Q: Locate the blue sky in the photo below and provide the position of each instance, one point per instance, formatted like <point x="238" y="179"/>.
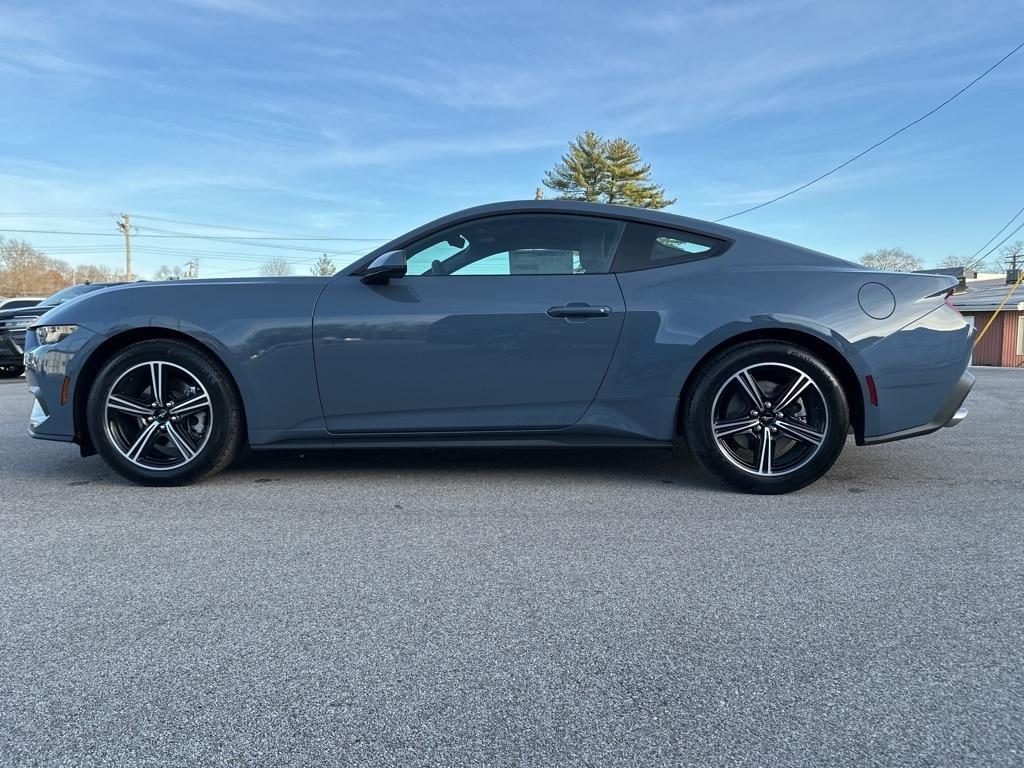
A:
<point x="363" y="120"/>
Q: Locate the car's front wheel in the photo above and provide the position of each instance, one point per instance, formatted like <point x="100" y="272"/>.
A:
<point x="11" y="371"/>
<point x="766" y="417"/>
<point x="163" y="412"/>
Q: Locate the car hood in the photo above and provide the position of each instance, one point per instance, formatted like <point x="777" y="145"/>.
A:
<point x="35" y="311"/>
<point x="182" y="304"/>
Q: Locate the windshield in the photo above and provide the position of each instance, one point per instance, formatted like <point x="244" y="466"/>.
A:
<point x="68" y="293"/>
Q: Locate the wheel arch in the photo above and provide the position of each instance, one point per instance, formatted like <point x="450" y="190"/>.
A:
<point x="86" y="376"/>
<point x="829" y="354"/>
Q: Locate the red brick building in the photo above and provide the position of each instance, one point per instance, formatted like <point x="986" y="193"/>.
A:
<point x="1003" y="344"/>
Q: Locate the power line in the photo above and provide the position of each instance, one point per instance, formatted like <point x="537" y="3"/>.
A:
<point x="877" y="144"/>
<point x="171" y="232"/>
<point x="200" y="224"/>
<point x="146" y="232"/>
<point x="232" y="271"/>
<point x="274" y="237"/>
<point x="62" y="232"/>
<point x="166" y="233"/>
<point x="265" y="235"/>
<point x="991" y="250"/>
<point x="210" y="252"/>
<point x="219" y="257"/>
<point x="1013" y="218"/>
<point x="55" y="215"/>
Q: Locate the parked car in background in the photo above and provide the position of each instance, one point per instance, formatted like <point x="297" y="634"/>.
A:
<point x="19" y="302"/>
<point x="534" y="323"/>
<point x="17" y="314"/>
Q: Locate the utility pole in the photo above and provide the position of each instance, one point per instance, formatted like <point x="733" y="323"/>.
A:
<point x="125" y="225"/>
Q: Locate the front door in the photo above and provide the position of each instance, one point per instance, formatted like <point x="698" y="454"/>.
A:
<point x="502" y="323"/>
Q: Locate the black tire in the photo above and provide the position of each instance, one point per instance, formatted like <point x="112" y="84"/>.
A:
<point x="11" y="371"/>
<point x="217" y="440"/>
<point x="808" y="434"/>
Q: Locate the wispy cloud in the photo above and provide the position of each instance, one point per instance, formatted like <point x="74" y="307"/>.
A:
<point x="250" y="9"/>
<point x="336" y="114"/>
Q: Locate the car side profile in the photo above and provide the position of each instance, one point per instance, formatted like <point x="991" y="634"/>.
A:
<point x="534" y="323"/>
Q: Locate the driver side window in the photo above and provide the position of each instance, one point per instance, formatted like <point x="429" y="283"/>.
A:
<point x="518" y="244"/>
<point x="419" y="263"/>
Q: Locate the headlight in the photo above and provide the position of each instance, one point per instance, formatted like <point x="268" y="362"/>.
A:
<point x="52" y="334"/>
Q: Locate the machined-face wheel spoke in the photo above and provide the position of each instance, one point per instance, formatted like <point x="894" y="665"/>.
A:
<point x="180" y="442"/>
<point x="156" y="376"/>
<point x="769" y="419"/>
<point x="801" y="432"/>
<point x="750" y="386"/>
<point x="141" y="441"/>
<point x="124" y="405"/>
<point x="191" y="405"/>
<point x="764" y="453"/>
<point x="733" y="427"/>
<point x="803" y="381"/>
<point x="158" y="415"/>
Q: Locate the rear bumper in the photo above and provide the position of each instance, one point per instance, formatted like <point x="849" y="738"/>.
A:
<point x="950" y="414"/>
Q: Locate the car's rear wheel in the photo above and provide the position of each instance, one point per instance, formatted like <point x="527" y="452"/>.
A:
<point x="766" y="417"/>
<point x="163" y="412"/>
<point x="11" y="371"/>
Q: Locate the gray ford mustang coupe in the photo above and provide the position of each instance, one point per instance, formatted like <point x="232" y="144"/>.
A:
<point x="539" y="323"/>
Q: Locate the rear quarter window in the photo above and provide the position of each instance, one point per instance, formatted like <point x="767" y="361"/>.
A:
<point x="645" y="246"/>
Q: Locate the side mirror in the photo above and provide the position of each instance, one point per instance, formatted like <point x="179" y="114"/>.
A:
<point x="385" y="267"/>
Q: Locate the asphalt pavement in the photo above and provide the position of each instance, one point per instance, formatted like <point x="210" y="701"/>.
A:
<point x="513" y="608"/>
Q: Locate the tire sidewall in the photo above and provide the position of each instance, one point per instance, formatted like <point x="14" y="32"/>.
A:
<point x="223" y="433"/>
<point x="698" y="416"/>
<point x="11" y="371"/>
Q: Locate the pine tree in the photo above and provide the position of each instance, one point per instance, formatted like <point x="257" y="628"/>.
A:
<point x="324" y="267"/>
<point x="605" y="171"/>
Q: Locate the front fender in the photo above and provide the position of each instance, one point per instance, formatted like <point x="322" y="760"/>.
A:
<point x="261" y="331"/>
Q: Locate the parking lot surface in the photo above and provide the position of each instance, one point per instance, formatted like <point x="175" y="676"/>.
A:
<point x="518" y="608"/>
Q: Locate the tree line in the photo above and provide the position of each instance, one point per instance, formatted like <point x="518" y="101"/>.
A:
<point x="26" y="271"/>
<point x="898" y="260"/>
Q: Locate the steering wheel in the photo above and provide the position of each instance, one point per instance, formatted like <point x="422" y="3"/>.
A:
<point x="437" y="268"/>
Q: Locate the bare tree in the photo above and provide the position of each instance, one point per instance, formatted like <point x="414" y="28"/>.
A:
<point x="94" y="273"/>
<point x="953" y="262"/>
<point x="1012" y="255"/>
<point x="276" y="268"/>
<point x="324" y="267"/>
<point x="27" y="271"/>
<point x="891" y="260"/>
<point x="169" y="273"/>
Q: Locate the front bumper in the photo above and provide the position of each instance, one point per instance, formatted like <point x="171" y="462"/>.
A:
<point x="11" y="352"/>
<point x="47" y="368"/>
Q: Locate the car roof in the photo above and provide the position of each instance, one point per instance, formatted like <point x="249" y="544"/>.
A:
<point x="579" y="207"/>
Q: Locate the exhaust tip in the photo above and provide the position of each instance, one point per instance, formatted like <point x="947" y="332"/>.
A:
<point x="957" y="417"/>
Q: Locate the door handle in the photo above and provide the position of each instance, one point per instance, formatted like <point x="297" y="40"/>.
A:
<point x="579" y="311"/>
